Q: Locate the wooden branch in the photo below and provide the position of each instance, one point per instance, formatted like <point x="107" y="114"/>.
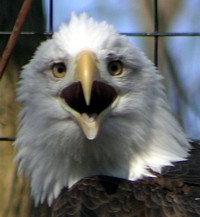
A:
<point x="14" y="36"/>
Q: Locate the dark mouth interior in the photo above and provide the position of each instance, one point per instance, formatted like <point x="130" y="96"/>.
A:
<point x="102" y="96"/>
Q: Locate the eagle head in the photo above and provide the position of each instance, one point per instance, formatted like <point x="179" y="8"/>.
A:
<point x="92" y="104"/>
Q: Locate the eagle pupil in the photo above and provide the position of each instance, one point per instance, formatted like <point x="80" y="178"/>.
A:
<point x="61" y="68"/>
<point x="114" y="67"/>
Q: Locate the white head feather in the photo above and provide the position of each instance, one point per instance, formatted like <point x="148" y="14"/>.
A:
<point x="139" y="134"/>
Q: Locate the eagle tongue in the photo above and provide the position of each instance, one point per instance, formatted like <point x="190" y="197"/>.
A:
<point x="89" y="117"/>
<point x="89" y="123"/>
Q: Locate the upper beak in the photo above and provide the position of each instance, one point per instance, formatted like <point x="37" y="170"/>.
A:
<point x="86" y="72"/>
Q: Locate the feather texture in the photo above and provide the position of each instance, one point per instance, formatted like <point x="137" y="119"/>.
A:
<point x="174" y="193"/>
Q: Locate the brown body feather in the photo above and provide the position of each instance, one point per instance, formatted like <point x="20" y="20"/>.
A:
<point x="173" y="193"/>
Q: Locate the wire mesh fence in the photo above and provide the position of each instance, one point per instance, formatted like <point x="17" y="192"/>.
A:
<point x="156" y="34"/>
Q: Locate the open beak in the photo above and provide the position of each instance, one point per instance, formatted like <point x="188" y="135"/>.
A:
<point x="89" y="99"/>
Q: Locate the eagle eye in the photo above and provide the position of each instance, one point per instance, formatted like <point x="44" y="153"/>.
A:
<point x="59" y="70"/>
<point x="115" y="68"/>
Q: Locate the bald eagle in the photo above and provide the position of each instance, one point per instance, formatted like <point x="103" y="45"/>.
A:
<point x="96" y="134"/>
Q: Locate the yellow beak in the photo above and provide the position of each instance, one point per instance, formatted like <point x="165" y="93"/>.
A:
<point x="87" y="72"/>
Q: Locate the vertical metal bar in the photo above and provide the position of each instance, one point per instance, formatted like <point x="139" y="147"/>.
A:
<point x="51" y="16"/>
<point x="156" y="30"/>
<point x="26" y="6"/>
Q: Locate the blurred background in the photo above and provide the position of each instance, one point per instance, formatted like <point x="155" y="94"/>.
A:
<point x="176" y="54"/>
